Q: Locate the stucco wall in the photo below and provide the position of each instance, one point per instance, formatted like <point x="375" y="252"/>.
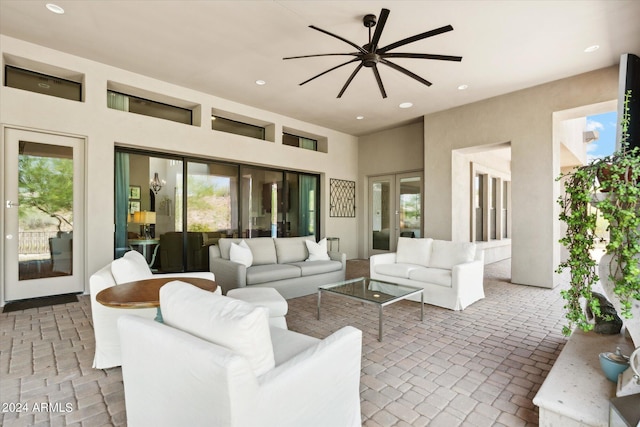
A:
<point x="104" y="128"/>
<point x="525" y="119"/>
<point x="386" y="152"/>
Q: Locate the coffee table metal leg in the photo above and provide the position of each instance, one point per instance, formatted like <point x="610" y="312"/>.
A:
<point x="380" y="323"/>
<point x="159" y="315"/>
<point x="421" y="306"/>
<point x="319" y="293"/>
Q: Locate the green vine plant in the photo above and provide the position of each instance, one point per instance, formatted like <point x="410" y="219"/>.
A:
<point x="610" y="185"/>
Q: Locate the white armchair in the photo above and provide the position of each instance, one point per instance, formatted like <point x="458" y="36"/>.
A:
<point x="217" y="362"/>
<point x="132" y="266"/>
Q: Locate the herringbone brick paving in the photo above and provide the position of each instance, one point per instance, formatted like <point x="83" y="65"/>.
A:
<point x="478" y="367"/>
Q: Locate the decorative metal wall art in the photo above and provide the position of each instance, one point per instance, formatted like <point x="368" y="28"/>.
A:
<point x="342" y="201"/>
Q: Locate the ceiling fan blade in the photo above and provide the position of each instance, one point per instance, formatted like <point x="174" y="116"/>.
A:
<point x="339" y="38"/>
<point x="382" y="19"/>
<point x="415" y="38"/>
<point x="405" y="71"/>
<point x="330" y="69"/>
<point x="422" y="56"/>
<point x="379" y="80"/>
<point x="358" y="68"/>
<point x="322" y="54"/>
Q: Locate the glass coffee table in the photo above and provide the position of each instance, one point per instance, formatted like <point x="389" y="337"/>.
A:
<point x="372" y="291"/>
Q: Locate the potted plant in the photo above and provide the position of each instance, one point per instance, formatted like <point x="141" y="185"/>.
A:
<point x="616" y="195"/>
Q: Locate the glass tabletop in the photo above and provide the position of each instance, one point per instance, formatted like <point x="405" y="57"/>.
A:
<point x="371" y="290"/>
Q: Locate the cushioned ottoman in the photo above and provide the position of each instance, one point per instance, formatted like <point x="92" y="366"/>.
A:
<point x="265" y="297"/>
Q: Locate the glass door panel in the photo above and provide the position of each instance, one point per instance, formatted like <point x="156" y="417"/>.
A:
<point x="410" y="205"/>
<point x="212" y="209"/>
<point x="262" y="202"/>
<point x="43" y="236"/>
<point x="300" y="201"/>
<point x="382" y="221"/>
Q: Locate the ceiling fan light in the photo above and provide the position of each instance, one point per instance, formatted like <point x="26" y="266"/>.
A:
<point x="406" y="105"/>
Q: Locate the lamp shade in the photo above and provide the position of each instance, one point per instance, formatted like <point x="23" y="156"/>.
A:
<point x="144" y="217"/>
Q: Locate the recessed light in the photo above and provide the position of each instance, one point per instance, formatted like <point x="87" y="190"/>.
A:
<point x="592" y="48"/>
<point x="261" y="82"/>
<point x="55" y="8"/>
<point x="463" y="87"/>
<point x="359" y="117"/>
<point x="406" y="105"/>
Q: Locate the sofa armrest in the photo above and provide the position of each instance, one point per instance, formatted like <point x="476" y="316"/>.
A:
<point x="215" y="385"/>
<point x="386" y="258"/>
<point x="339" y="256"/>
<point x="468" y="275"/>
<point x="319" y="386"/>
<point x="228" y="274"/>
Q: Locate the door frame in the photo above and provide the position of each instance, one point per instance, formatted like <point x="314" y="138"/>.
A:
<point x="75" y="283"/>
<point x="394" y="208"/>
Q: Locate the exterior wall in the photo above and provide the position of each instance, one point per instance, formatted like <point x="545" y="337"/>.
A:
<point x="105" y="128"/>
<point x="525" y="119"/>
<point x="386" y="152"/>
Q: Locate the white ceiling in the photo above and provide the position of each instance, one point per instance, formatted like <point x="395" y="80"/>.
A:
<point x="223" y="47"/>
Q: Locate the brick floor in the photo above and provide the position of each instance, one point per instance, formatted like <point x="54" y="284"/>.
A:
<point x="478" y="367"/>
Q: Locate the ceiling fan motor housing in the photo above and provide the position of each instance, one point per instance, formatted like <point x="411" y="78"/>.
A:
<point x="369" y="20"/>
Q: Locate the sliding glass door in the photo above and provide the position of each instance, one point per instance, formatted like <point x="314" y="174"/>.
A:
<point x="171" y="209"/>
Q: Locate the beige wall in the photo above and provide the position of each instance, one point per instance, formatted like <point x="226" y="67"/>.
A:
<point x="387" y="152"/>
<point x="104" y="128"/>
<point x="525" y="119"/>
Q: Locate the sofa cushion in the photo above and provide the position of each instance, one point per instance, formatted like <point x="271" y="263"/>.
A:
<point x="257" y="274"/>
<point x="310" y="268"/>
<point x="414" y="251"/>
<point x="446" y="254"/>
<point x="224" y="244"/>
<point x="263" y="250"/>
<point x="395" y="270"/>
<point x="292" y="249"/>
<point x="129" y="269"/>
<point x="237" y="325"/>
<point x="436" y="276"/>
<point x="317" y="251"/>
<point x="241" y="254"/>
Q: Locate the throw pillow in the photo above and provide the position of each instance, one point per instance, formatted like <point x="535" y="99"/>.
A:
<point x="126" y="270"/>
<point x="237" y="325"/>
<point x="317" y="251"/>
<point x="241" y="254"/>
<point x="414" y="251"/>
<point x="446" y="254"/>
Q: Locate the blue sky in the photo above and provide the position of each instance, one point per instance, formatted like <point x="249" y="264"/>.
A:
<point x="605" y="124"/>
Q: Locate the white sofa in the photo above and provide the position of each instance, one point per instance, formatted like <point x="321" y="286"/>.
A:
<point x="451" y="273"/>
<point x="217" y="362"/>
<point x="132" y="266"/>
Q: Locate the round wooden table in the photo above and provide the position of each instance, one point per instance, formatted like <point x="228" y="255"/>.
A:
<point x="146" y="293"/>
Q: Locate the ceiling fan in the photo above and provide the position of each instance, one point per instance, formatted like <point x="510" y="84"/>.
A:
<point x="370" y="55"/>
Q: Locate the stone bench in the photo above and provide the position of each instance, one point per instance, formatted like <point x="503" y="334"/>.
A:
<point x="576" y="392"/>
